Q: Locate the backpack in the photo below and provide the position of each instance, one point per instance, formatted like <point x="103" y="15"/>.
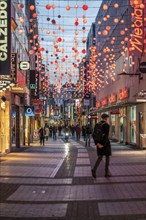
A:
<point x="98" y="133"/>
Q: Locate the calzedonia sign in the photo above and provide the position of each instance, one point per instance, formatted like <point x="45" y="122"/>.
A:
<point x="5" y="37"/>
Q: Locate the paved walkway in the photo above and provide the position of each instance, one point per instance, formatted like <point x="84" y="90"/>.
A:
<point x="54" y="182"/>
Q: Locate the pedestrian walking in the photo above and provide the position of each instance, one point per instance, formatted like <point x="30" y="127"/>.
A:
<point x="84" y="132"/>
<point x="46" y="133"/>
<point x="59" y="129"/>
<point x="50" y="130"/>
<point x="54" y="130"/>
<point x="42" y="135"/>
<point x="78" y="132"/>
<point x="101" y="140"/>
<point x="88" y="132"/>
<point x="72" y="129"/>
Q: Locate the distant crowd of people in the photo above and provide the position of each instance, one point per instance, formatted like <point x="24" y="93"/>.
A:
<point x="75" y="130"/>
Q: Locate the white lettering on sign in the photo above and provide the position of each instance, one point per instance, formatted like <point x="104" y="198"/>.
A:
<point x="3" y="31"/>
<point x="137" y="37"/>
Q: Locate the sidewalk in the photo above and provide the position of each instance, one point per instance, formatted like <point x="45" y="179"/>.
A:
<point x="54" y="182"/>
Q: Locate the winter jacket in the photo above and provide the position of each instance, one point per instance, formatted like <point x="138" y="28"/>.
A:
<point x="106" y="150"/>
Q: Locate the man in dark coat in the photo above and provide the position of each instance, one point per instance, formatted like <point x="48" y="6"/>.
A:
<point x="103" y="147"/>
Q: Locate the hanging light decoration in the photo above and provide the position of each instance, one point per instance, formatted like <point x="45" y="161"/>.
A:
<point x="34" y="15"/>
<point x="116" y="5"/>
<point x="76" y="6"/>
<point x="53" y="6"/>
<point x="85" y="7"/>
<point x="105" y="7"/>
<point x="48" y="6"/>
<point x="32" y="7"/>
<point x="76" y="23"/>
<point x="53" y="22"/>
<point x="20" y="6"/>
<point x="68" y="7"/>
<point x="83" y="51"/>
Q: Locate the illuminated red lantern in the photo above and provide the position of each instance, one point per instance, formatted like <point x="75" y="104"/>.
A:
<point x="20" y="6"/>
<point x="68" y="8"/>
<point x="63" y="59"/>
<point x="85" y="7"/>
<point x="48" y="7"/>
<point x="32" y="7"/>
<point x="34" y="15"/>
<point x="53" y="22"/>
<point x="76" y="23"/>
<point x="59" y="39"/>
<point x="83" y="51"/>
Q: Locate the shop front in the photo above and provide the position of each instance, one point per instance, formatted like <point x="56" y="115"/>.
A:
<point x="122" y="125"/>
<point x="4" y="123"/>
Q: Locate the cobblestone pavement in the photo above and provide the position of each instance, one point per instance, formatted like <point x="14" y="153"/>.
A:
<point x="54" y="182"/>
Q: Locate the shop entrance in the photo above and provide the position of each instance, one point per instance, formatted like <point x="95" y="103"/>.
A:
<point x="122" y="130"/>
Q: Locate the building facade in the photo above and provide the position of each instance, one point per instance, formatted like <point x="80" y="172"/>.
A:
<point x="121" y="50"/>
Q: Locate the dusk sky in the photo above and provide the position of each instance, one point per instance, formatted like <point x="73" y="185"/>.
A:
<point x="68" y="32"/>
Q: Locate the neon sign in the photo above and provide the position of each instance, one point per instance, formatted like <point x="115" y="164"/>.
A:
<point x="104" y="101"/>
<point x="123" y="94"/>
<point x="98" y="104"/>
<point x="137" y="37"/>
<point x="112" y="98"/>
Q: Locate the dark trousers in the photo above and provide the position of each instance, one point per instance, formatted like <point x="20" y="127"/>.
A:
<point x="78" y="137"/>
<point x="87" y="140"/>
<point x="99" y="159"/>
<point x="54" y="136"/>
<point x="42" y="140"/>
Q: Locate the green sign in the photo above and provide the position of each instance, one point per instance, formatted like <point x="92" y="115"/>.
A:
<point x="32" y="86"/>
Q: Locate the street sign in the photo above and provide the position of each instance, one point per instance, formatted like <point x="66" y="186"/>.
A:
<point x="142" y="67"/>
<point x="24" y="65"/>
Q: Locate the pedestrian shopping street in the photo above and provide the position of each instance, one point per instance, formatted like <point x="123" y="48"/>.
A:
<point x="54" y="182"/>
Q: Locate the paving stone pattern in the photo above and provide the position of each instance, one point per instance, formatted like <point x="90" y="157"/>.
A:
<point x="54" y="182"/>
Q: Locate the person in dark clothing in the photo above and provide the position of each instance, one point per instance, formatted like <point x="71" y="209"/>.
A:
<point x="72" y="129"/>
<point x="84" y="132"/>
<point x="54" y="129"/>
<point x="103" y="147"/>
<point x="88" y="132"/>
<point x="59" y="129"/>
<point x="42" y="135"/>
<point x="50" y="130"/>
<point x="78" y="132"/>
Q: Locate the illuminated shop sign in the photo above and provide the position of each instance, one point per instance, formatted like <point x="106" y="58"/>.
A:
<point x="112" y="98"/>
<point x="5" y="37"/>
<point x="29" y="111"/>
<point x="137" y="37"/>
<point x="98" y="104"/>
<point x="24" y="65"/>
<point x="104" y="102"/>
<point x="38" y="104"/>
<point x="123" y="94"/>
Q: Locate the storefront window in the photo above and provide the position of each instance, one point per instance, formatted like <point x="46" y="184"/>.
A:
<point x="113" y="124"/>
<point x="133" y="124"/>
